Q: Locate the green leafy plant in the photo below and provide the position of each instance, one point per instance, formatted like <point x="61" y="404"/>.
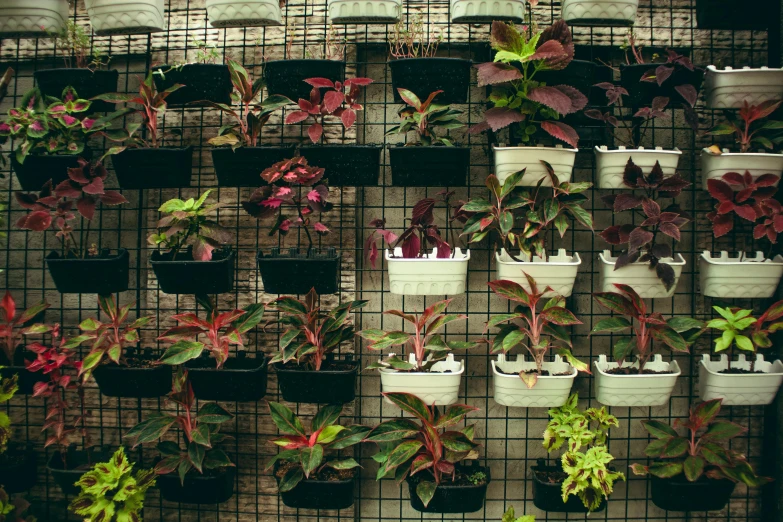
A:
<point x="14" y="510"/>
<point x="511" y="516"/>
<point x="76" y="48"/>
<point x="586" y="458"/>
<point x="111" y="492"/>
<point x="426" y="119"/>
<point x="744" y="331"/>
<point x="8" y="388"/>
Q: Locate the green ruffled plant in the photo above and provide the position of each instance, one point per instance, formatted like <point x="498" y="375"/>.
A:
<point x="744" y="331"/>
<point x="14" y="510"/>
<point x="510" y="516"/>
<point x="8" y="387"/>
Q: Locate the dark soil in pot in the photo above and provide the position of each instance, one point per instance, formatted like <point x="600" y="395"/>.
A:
<point x="18" y="469"/>
<point x="547" y="491"/>
<point x="145" y="168"/>
<point x="241" y="379"/>
<point x="642" y="93"/>
<point x="183" y="275"/>
<point x="139" y="377"/>
<point x="465" y="494"/>
<point x="329" y="489"/>
<point x="423" y="76"/>
<point x="242" y="167"/>
<point x="287" y="77"/>
<point x="677" y="494"/>
<point x="202" y="81"/>
<point x="37" y="170"/>
<point x="430" y="166"/>
<point x="103" y="274"/>
<point x="297" y="271"/>
<point x="730" y="14"/>
<point x="346" y="165"/>
<point x="213" y="487"/>
<point x="334" y="383"/>
<point x="66" y="474"/>
<point x="88" y="84"/>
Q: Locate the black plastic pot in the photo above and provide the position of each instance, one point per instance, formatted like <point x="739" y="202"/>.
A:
<point x="642" y="93"/>
<point x="452" y="498"/>
<point x="677" y="494"/>
<point x="296" y="272"/>
<point x="242" y="167"/>
<point x="431" y="166"/>
<point x="78" y="463"/>
<point x="183" y="275"/>
<point x="320" y="494"/>
<point x="198" y="489"/>
<point x="103" y="275"/>
<point x="18" y="469"/>
<point x="27" y="379"/>
<point x="37" y="170"/>
<point x="324" y="386"/>
<point x="147" y="168"/>
<point x="136" y="382"/>
<point x="548" y="496"/>
<point x="423" y="76"/>
<point x="579" y="74"/>
<point x="202" y="81"/>
<point x="730" y="14"/>
<point x="242" y="379"/>
<point x="88" y="84"/>
<point x="346" y="165"/>
<point x="287" y="77"/>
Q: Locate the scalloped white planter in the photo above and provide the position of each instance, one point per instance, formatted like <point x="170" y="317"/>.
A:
<point x="610" y="164"/>
<point x="558" y="271"/>
<point x="729" y="88"/>
<point x="433" y="387"/>
<point x="23" y="18"/>
<point x="739" y="276"/>
<point x="509" y="160"/>
<point x="126" y="16"/>
<point x="427" y="275"/>
<point x="364" y="11"/>
<point x="757" y="163"/>
<point x="638" y="276"/>
<point x="475" y="11"/>
<point x="606" y="11"/>
<point x="751" y="389"/>
<point x="549" y="392"/>
<point x="635" y="390"/>
<point x="245" y="13"/>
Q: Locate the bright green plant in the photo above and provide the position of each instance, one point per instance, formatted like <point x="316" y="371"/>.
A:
<point x="14" y="510"/>
<point x="511" y="516"/>
<point x="744" y="331"/>
<point x="111" y="492"/>
<point x="426" y="119"/>
<point x="8" y="387"/>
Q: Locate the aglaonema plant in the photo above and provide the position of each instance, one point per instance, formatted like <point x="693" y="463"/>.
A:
<point x="14" y="324"/>
<point x="749" y="127"/>
<point x="426" y="119"/>
<point x="750" y="334"/>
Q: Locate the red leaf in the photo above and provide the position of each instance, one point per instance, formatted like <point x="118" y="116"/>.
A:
<point x="552" y="98"/>
<point x="501" y="117"/>
<point x="639" y="237"/>
<point x="332" y="100"/>
<point x="349" y="118"/>
<point x="688" y="93"/>
<point x="561" y="131"/>
<point x="8" y="306"/>
<point x="38" y="221"/>
<point x="296" y="117"/>
<point x="548" y="50"/>
<point x="95" y="187"/>
<point x="492" y="73"/>
<point x="745" y="212"/>
<point x="626" y="202"/>
<point x="578" y="100"/>
<point x="720" y="190"/>
<point x="86" y="207"/>
<point x="411" y="246"/>
<point x="112" y="197"/>
<point x="670" y="230"/>
<point x="315" y="131"/>
<point x="320" y="82"/>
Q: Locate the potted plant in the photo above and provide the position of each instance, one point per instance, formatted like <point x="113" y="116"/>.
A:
<point x="81" y="266"/>
<point x="17" y="464"/>
<point x="238" y="155"/>
<point x="309" y="473"/>
<point x="237" y="378"/>
<point x="583" y="472"/>
<point x="754" y="202"/>
<point x="294" y="184"/>
<point x="731" y="88"/>
<point x="206" y="262"/>
<point x="14" y="324"/>
<point x="110" y="17"/>
<point x="243" y="13"/>
<point x="529" y="109"/>
<point x="749" y="128"/>
<point x="537" y="383"/>
<point x="345" y="165"/>
<point x="600" y="12"/>
<point x="373" y="12"/>
<point x="649" y="381"/>
<point x="22" y="19"/>
<point x="697" y="472"/>
<point x="647" y="265"/>
<point x="430" y="372"/>
<point x="201" y="472"/>
<point x="111" y="489"/>
<point x="727" y="14"/>
<point x="742" y="382"/>
<point x="14" y="510"/>
<point x="431" y="160"/>
<point x="306" y="367"/>
<point x="478" y="11"/>
<point x="430" y="457"/>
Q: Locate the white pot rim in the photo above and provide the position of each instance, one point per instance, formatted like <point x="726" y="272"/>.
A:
<point x="672" y="366"/>
<point x="498" y="374"/>
<point x="604" y="149"/>
<point x="736" y="375"/>
<point x="452" y="373"/>
<point x="575" y="259"/>
<point x="556" y="148"/>
<point x="732" y="70"/>
<point x="727" y="152"/>
<point x="459" y="257"/>
<point x="607" y="259"/>
<point x="742" y="258"/>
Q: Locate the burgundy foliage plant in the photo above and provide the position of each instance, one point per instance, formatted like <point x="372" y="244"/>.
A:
<point x="14" y="324"/>
<point x="750" y="127"/>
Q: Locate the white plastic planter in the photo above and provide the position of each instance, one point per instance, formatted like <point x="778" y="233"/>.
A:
<point x="714" y="166"/>
<point x="23" y="18"/>
<point x="509" y="160"/>
<point x="610" y="164"/>
<point x="619" y="12"/>
<point x="433" y="387"/>
<point x="364" y="11"/>
<point x="638" y="276"/>
<point x="550" y="391"/>
<point x="427" y="275"/>
<point x="245" y="13"/>
<point x="558" y="271"/>
<point x="730" y="88"/>
<point x="741" y="276"/>
<point x="750" y="389"/>
<point x="476" y="11"/>
<point x="635" y="390"/>
<point x="125" y="16"/>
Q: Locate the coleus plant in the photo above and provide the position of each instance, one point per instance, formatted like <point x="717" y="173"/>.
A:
<point x="14" y="510"/>
<point x="8" y="388"/>
<point x="538" y="331"/>
<point x="200" y="431"/>
<point x="424" y="446"/>
<point x="642" y="240"/>
<point x="702" y="452"/>
<point x="379" y="235"/>
<point x="189" y="226"/>
<point x="312" y="335"/>
<point x="426" y="119"/>
<point x="744" y="331"/>
<point x="750" y="127"/>
<point x="310" y="453"/>
<point x="14" y="324"/>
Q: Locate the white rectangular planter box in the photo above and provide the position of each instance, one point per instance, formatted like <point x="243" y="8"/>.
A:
<point x="549" y="392"/>
<point x="730" y="88"/>
<point x="244" y="13"/>
<point x="33" y="19"/>
<point x="638" y="276"/>
<point x="509" y="160"/>
<point x="428" y="275"/>
<point x="558" y="271"/>
<point x="477" y="11"/>
<point x="609" y="12"/>
<point x="635" y="390"/>
<point x="610" y="164"/>
<point x="751" y="389"/>
<point x="714" y="166"/>
<point x="126" y="16"/>
<point x="739" y="276"/>
<point x="433" y="387"/>
<point x="364" y="11"/>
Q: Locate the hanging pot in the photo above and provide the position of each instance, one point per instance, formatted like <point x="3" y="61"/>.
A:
<point x="641" y="93"/>
<point x="484" y="11"/>
<point x="428" y="275"/>
<point x="558" y="271"/>
<point x="742" y="276"/>
<point x="600" y="12"/>
<point x="732" y="15"/>
<point x="296" y="272"/>
<point x="739" y="389"/>
<point x="87" y="83"/>
<point x="39" y="19"/>
<point x="610" y="164"/>
<point x="103" y="274"/>
<point x="334" y="383"/>
<point x="319" y="494"/>
<point x="214" y="487"/>
<point x="183" y="275"/>
<point x="367" y="12"/>
<point x="77" y="464"/>
<point x="714" y="166"/>
<point x="730" y="88"/>
<point x="37" y="170"/>
<point x="429" y="166"/>
<point x="438" y="386"/>
<point x="550" y="391"/>
<point x="18" y="469"/>
<point x="287" y="77"/>
<point x="202" y="81"/>
<point x="108" y="17"/>
<point x="634" y="389"/>
<point x="452" y="498"/>
<point x="423" y="76"/>
<point x="139" y="378"/>
<point x="547" y="492"/>
<point x="509" y="160"/>
<point x="244" y="13"/>
<point x="241" y="379"/>
<point x="243" y="167"/>
<point x="679" y="494"/>
<point x="638" y="276"/>
<point x="147" y="168"/>
<point x="346" y="165"/>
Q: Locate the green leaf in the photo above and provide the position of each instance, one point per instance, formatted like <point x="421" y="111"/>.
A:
<point x="311" y="458"/>
<point x="181" y="352"/>
<point x="326" y="416"/>
<point x="329" y="433"/>
<point x="613" y="324"/>
<point x="393" y="430"/>
<point x="425" y="490"/>
<point x="693" y="467"/>
<point x="665" y="469"/>
<point x="201" y="435"/>
<point x="348" y="463"/>
<point x="400" y="454"/>
<point x="285" y="420"/>
<point x="722" y="430"/>
<point x="150" y="430"/>
<point x="216" y="458"/>
<point x="658" y="429"/>
<point x="291" y="478"/>
<point x="196" y="454"/>
<point x="744" y="343"/>
<point x="350" y="436"/>
<point x="212" y="413"/>
<point x="623" y="348"/>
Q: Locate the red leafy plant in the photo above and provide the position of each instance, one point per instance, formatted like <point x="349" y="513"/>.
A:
<point x="14" y="324"/>
<point x="750" y="127"/>
<point x="425" y="119"/>
<point x="702" y="452"/>
<point x="379" y="235"/>
<point x="425" y="450"/>
<point x="642" y="240"/>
